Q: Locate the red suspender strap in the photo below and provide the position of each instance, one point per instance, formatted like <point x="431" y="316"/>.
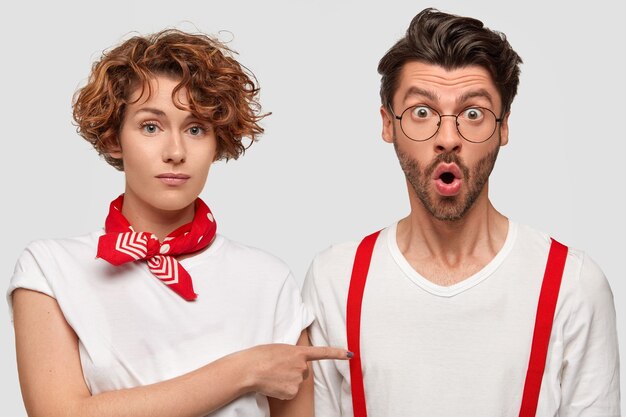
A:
<point x="353" y="320"/>
<point x="543" y="327"/>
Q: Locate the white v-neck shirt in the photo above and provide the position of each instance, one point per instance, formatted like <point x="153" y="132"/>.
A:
<point x="463" y="350"/>
<point x="135" y="331"/>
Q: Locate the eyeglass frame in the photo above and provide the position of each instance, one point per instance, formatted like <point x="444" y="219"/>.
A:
<point x="456" y="122"/>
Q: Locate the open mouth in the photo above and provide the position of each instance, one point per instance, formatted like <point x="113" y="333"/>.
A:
<point x="447" y="177"/>
<point x="447" y="173"/>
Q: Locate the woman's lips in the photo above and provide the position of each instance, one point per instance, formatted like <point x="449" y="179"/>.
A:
<point x="173" y="179"/>
<point x="451" y="186"/>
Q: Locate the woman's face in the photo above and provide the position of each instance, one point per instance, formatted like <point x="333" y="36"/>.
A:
<point x="166" y="151"/>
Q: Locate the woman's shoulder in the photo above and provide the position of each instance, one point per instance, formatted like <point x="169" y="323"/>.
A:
<point x="46" y="262"/>
<point x="42" y="256"/>
<point x="75" y="245"/>
<point x="247" y="257"/>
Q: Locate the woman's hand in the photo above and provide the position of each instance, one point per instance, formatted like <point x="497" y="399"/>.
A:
<point x="278" y="370"/>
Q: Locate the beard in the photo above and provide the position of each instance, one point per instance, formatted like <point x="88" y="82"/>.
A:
<point x="447" y="208"/>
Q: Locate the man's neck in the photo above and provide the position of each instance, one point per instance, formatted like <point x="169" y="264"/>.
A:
<point x="447" y="252"/>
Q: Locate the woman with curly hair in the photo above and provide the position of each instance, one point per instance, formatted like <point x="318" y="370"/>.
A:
<point x="157" y="314"/>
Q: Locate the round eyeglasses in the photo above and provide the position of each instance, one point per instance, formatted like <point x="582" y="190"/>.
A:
<point x="475" y="124"/>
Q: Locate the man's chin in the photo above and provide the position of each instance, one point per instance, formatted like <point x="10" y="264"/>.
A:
<point x="448" y="216"/>
<point x="448" y="208"/>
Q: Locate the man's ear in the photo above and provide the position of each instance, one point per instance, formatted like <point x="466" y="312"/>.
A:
<point x="387" y="119"/>
<point x="504" y="130"/>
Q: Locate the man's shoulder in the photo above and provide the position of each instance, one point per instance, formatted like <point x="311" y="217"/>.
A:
<point x="332" y="266"/>
<point x="337" y="253"/>
<point x="582" y="275"/>
<point x="538" y="241"/>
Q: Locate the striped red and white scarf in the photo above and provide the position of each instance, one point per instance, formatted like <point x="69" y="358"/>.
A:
<point x="121" y="244"/>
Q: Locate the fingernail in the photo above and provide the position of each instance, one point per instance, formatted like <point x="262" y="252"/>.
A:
<point x="350" y="355"/>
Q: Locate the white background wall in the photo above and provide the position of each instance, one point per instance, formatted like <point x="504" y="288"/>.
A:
<point x="321" y="174"/>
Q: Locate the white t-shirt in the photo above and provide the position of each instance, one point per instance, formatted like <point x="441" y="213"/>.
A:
<point x="134" y="331"/>
<point x="463" y="350"/>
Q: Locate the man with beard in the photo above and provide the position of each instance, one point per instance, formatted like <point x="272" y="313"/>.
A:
<point x="456" y="310"/>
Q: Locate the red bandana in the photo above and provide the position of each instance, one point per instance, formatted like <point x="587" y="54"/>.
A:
<point x="121" y="244"/>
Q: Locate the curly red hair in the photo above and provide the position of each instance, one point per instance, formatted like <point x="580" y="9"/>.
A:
<point x="220" y="90"/>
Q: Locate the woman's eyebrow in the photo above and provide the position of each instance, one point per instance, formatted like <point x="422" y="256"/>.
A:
<point x="151" y="110"/>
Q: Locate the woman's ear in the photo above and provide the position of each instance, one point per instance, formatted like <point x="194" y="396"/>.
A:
<point x="114" y="151"/>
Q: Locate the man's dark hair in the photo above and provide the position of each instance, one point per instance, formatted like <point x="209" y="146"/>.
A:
<point x="452" y="42"/>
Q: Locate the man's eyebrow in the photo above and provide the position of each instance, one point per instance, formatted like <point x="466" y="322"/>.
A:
<point x="417" y="91"/>
<point x="475" y="93"/>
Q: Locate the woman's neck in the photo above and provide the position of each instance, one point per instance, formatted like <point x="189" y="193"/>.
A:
<point x="145" y="218"/>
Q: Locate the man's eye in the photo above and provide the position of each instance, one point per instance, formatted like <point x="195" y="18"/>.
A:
<point x="422" y="112"/>
<point x="472" y="114"/>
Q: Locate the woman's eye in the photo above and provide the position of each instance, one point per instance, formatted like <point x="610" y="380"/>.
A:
<point x="422" y="112"/>
<point x="150" y="128"/>
<point x="472" y="114"/>
<point x="196" y="130"/>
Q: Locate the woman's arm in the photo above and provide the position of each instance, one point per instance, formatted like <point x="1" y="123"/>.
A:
<point x="52" y="381"/>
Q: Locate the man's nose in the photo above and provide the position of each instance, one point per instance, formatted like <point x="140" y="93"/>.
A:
<point x="448" y="138"/>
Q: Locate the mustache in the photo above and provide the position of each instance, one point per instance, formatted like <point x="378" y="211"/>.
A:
<point x="447" y="158"/>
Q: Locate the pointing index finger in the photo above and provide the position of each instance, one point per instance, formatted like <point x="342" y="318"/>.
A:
<point x="316" y="353"/>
